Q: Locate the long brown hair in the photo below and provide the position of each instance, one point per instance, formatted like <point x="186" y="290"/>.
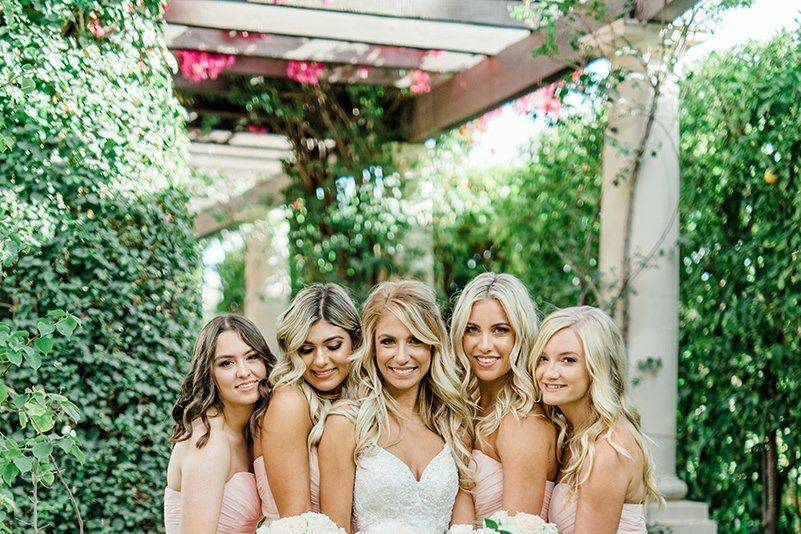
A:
<point x="198" y="391"/>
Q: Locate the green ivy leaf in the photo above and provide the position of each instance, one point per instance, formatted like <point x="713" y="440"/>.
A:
<point x="67" y="326"/>
<point x="45" y="327"/>
<point x="48" y="479"/>
<point x="3" y="392"/>
<point x="15" y="357"/>
<point x="42" y="450"/>
<point x="23" y="464"/>
<point x="44" y="344"/>
<point x="34" y="358"/>
<point x="10" y="472"/>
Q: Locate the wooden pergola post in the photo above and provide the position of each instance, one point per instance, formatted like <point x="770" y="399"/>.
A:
<point x="267" y="284"/>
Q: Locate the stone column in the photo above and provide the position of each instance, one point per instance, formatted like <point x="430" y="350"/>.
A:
<point x="267" y="284"/>
<point x="653" y="292"/>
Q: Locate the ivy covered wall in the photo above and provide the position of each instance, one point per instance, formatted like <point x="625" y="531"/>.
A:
<point x="97" y="147"/>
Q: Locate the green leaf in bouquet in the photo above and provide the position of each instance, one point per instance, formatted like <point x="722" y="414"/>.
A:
<point x="490" y="524"/>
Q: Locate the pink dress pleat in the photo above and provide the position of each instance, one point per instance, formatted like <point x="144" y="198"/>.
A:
<point x="488" y="493"/>
<point x="268" y="507"/>
<point x="563" y="513"/>
<point x="240" y="511"/>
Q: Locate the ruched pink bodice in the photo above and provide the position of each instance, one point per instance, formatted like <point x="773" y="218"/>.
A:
<point x="240" y="511"/>
<point x="268" y="507"/>
<point x="488" y="493"/>
<point x="563" y="513"/>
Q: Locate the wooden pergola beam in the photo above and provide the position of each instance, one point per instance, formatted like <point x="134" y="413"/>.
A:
<point x="321" y="50"/>
<point x="512" y="73"/>
<point x="246" y="207"/>
<point x="277" y="68"/>
<point x="487" y="12"/>
<point x="343" y="26"/>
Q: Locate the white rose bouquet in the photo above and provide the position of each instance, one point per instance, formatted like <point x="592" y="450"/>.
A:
<point x="518" y="523"/>
<point x="308" y="523"/>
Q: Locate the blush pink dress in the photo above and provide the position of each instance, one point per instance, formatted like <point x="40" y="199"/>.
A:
<point x="268" y="507"/>
<point x="563" y="513"/>
<point x="488" y="493"/>
<point x="240" y="512"/>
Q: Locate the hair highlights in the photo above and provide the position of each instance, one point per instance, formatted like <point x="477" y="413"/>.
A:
<point x="605" y="358"/>
<point x="198" y="391"/>
<point x="517" y="395"/>
<point x="329" y="302"/>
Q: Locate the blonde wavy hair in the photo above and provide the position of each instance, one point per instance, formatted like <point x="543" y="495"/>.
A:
<point x="517" y="396"/>
<point x="328" y="302"/>
<point x="605" y="358"/>
<point x="439" y="401"/>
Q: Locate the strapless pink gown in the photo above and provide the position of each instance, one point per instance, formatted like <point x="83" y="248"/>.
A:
<point x="488" y="493"/>
<point x="268" y="507"/>
<point x="240" y="512"/>
<point x="563" y="513"/>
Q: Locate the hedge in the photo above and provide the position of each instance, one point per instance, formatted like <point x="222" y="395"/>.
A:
<point x="97" y="145"/>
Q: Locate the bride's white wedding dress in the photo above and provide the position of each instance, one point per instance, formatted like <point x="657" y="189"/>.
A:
<point x="385" y="490"/>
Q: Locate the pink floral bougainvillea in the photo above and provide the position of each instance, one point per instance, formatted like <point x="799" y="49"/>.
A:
<point x="99" y="31"/>
<point x="545" y="101"/>
<point x="305" y="71"/>
<point x="198" y="66"/>
<point x="364" y="72"/>
<point x="256" y="129"/>
<point x="421" y="82"/>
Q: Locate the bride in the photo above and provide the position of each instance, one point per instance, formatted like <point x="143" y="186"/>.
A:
<point x="399" y="452"/>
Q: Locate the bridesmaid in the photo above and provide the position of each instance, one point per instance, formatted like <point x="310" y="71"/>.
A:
<point x="399" y="451"/>
<point x="493" y="327"/>
<point x="316" y="335"/>
<point x="606" y="475"/>
<point x="209" y="484"/>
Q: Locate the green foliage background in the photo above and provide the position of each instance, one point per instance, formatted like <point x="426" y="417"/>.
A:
<point x="96" y="150"/>
<point x="526" y="221"/>
<point x="740" y="374"/>
<point x="232" y="278"/>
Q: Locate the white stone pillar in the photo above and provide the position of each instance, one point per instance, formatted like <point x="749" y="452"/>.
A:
<point x="653" y="292"/>
<point x="267" y="284"/>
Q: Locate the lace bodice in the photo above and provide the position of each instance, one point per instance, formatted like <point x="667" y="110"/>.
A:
<point x="386" y="490"/>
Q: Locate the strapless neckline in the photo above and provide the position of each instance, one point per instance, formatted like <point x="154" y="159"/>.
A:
<point x="240" y="509"/>
<point x="226" y="482"/>
<point x="386" y="490"/>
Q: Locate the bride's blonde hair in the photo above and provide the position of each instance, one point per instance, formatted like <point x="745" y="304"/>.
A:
<point x="439" y="400"/>
<point x="328" y="302"/>
<point x="517" y="394"/>
<point x="605" y="357"/>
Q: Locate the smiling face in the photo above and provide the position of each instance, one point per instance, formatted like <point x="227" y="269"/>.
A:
<point x="488" y="340"/>
<point x="325" y="354"/>
<point x="561" y="371"/>
<point x="402" y="359"/>
<point x="236" y="370"/>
